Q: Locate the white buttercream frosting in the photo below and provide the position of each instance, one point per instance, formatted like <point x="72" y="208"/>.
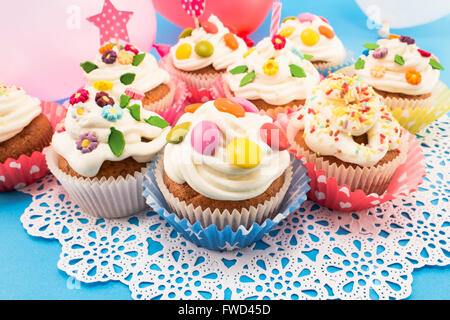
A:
<point x="223" y="55"/>
<point x="338" y="109"/>
<point x="387" y="75"/>
<point x="87" y="118"/>
<point x="213" y="175"/>
<point x="326" y="49"/>
<point x="148" y="74"/>
<point x="279" y="88"/>
<point x="17" y="110"/>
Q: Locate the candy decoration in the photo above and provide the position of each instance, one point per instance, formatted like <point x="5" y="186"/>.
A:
<point x="134" y="94"/>
<point x="137" y="59"/>
<point x="125" y="57"/>
<point x="102" y="85"/>
<point x="87" y="142"/>
<point x="297" y="71"/>
<point x="245" y="55"/>
<point x="288" y="18"/>
<point x="135" y="111"/>
<point x="371" y="46"/>
<point x="185" y="33"/>
<point x="308" y="56"/>
<point x="247" y="105"/>
<point x="366" y="52"/>
<point x="270" y="67"/>
<point x="278" y="42"/>
<point x="106" y="47"/>
<point x="88" y="66"/>
<point x="111" y="22"/>
<point x="116" y="142"/>
<point x="248" y="78"/>
<point x="273" y="136"/>
<point x="109" y="57"/>
<point x="239" y="69"/>
<point x="287" y="31"/>
<point x="80" y="111"/>
<point x="306" y="17"/>
<point x="229" y="106"/>
<point x="177" y="133"/>
<point x="112" y="113"/>
<point x="205" y="137"/>
<point x="131" y="48"/>
<point x="192" y="107"/>
<point x="157" y="122"/>
<point x="359" y="64"/>
<point x="435" y="64"/>
<point x="327" y="32"/>
<point x="424" y="53"/>
<point x="413" y="77"/>
<point x="399" y="59"/>
<point x="407" y="40"/>
<point x="231" y="41"/>
<point x="275" y="18"/>
<point x="127" y="78"/>
<point x="183" y="51"/>
<point x="378" y="72"/>
<point x="103" y="99"/>
<point x="209" y="27"/>
<point x="324" y="20"/>
<point x="81" y="95"/>
<point x="244" y="153"/>
<point x="309" y="37"/>
<point x="124" y="100"/>
<point x="204" y="49"/>
<point x="380" y="53"/>
<point x="393" y="36"/>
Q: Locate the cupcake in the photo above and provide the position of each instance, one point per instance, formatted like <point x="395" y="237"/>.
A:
<point x="120" y="67"/>
<point x="203" y="54"/>
<point x="315" y="38"/>
<point x="346" y="130"/>
<point x="231" y="173"/>
<point x="274" y="76"/>
<point x="24" y="132"/>
<point x="101" y="150"/>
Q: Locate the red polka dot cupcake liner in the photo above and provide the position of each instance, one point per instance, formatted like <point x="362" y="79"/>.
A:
<point x="18" y="173"/>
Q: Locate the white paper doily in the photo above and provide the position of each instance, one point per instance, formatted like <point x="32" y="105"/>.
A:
<point x="313" y="254"/>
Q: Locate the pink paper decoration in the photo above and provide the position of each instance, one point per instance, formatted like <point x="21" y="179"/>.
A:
<point x="194" y="8"/>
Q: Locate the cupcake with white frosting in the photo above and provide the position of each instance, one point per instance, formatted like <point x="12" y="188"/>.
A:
<point x="120" y="67"/>
<point x="315" y="38"/>
<point x="346" y="130"/>
<point x="231" y="173"/>
<point x="100" y="151"/>
<point x="273" y="75"/>
<point x="203" y="54"/>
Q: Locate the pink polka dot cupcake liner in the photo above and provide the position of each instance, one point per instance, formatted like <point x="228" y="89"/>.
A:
<point x="179" y="94"/>
<point x="18" y="173"/>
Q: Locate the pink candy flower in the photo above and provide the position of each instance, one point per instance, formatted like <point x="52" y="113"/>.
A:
<point x="279" y="42"/>
<point x="81" y="95"/>
<point x="131" y="48"/>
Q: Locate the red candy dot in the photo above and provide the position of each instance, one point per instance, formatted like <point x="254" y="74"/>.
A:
<point x="273" y="136"/>
<point x="324" y="20"/>
<point x="210" y="27"/>
<point x="424" y="53"/>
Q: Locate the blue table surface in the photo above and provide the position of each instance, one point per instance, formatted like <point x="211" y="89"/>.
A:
<point x="28" y="265"/>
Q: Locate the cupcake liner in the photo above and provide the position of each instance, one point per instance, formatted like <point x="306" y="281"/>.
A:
<point x="416" y="114"/>
<point x="102" y="198"/>
<point x="18" y="173"/>
<point x="197" y="84"/>
<point x="227" y="231"/>
<point x="326" y="67"/>
<point x="171" y="107"/>
<point x="328" y="192"/>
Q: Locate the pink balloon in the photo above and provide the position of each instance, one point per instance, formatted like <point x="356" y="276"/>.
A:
<point x="245" y="16"/>
<point x="43" y="43"/>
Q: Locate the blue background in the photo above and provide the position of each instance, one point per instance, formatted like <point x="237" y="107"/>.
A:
<point x="28" y="265"/>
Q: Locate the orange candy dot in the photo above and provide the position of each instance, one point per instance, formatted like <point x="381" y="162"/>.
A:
<point x="230" y="41"/>
<point x="229" y="106"/>
<point x="393" y="36"/>
<point x="192" y="107"/>
<point x="327" y="32"/>
<point x="413" y="77"/>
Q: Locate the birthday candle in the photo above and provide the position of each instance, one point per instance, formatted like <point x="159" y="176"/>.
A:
<point x="275" y="19"/>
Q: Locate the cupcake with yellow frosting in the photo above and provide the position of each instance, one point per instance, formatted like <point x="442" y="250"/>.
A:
<point x="101" y="150"/>
<point x="346" y="130"/>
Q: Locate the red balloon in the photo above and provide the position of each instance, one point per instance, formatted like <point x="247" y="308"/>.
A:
<point x="245" y="16"/>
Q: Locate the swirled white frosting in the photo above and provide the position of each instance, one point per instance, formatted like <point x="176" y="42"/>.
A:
<point x="222" y="57"/>
<point x="393" y="74"/>
<point x="148" y="74"/>
<point x="17" y="110"/>
<point x="280" y="88"/>
<point x="327" y="50"/>
<point x="338" y="109"/>
<point x="214" y="176"/>
<point x="91" y="121"/>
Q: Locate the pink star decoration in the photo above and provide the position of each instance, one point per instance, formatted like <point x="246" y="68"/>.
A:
<point x="112" y="23"/>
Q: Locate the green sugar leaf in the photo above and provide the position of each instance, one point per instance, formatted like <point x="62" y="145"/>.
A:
<point x="297" y="71"/>
<point x="359" y="64"/>
<point x="248" y="78"/>
<point x="435" y="65"/>
<point x="88" y="66"/>
<point x="157" y="122"/>
<point x="399" y="60"/>
<point x="137" y="59"/>
<point x="308" y="56"/>
<point x="127" y="78"/>
<point x="124" y="100"/>
<point x="371" y="46"/>
<point x="116" y="142"/>
<point x="135" y="111"/>
<point x="239" y="69"/>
